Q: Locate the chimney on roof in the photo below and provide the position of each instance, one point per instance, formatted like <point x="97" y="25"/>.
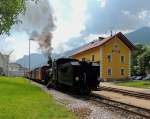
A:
<point x="100" y="38"/>
<point x="111" y="34"/>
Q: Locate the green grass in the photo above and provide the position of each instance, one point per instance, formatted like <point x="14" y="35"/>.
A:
<point x="138" y="84"/>
<point x="19" y="99"/>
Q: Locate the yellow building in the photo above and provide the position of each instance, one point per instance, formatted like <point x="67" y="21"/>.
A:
<point x="113" y="55"/>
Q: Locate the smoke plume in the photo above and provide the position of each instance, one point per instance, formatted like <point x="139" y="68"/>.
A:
<point x="38" y="22"/>
<point x="44" y="41"/>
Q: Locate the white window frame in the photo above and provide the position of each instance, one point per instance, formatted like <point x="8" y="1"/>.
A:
<point x="121" y="71"/>
<point x="108" y="72"/>
<point x="83" y="59"/>
<point x="124" y="59"/>
<point x="93" y="58"/>
<point x="110" y="59"/>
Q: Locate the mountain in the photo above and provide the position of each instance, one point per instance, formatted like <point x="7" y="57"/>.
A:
<point x="36" y="60"/>
<point x="141" y="35"/>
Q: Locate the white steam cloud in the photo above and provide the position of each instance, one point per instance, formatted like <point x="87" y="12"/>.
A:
<point x="38" y="22"/>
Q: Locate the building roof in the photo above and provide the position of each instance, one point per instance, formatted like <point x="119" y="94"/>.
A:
<point x="99" y="42"/>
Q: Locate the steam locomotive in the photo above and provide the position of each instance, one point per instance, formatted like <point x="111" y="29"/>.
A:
<point x="80" y="76"/>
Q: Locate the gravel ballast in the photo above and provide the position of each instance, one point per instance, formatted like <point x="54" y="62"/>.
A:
<point x="88" y="109"/>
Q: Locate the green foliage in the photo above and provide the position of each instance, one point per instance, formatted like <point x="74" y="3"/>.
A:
<point x="137" y="67"/>
<point x="20" y="99"/>
<point x="9" y="10"/>
<point x="144" y="61"/>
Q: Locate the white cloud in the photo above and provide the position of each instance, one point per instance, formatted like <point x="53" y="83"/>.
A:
<point x="126" y="12"/>
<point x="103" y="3"/>
<point x="92" y="37"/>
<point x="20" y="45"/>
<point x="143" y="14"/>
<point x="71" y="26"/>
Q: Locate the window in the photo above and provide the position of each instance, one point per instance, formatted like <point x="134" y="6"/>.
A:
<point x="122" y="59"/>
<point x="109" y="71"/>
<point x="93" y="58"/>
<point x="83" y="59"/>
<point x="109" y="58"/>
<point x="115" y="46"/>
<point x="122" y="71"/>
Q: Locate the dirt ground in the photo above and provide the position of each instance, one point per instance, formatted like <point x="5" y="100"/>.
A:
<point x="126" y="99"/>
<point x="109" y="84"/>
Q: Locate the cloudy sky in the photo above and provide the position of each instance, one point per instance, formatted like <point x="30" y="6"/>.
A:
<point x="74" y="22"/>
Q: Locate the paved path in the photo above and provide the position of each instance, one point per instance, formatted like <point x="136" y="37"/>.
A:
<point x="125" y="99"/>
<point x="109" y="84"/>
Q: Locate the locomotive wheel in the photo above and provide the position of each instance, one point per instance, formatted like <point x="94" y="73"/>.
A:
<point x="84" y="89"/>
<point x="82" y="84"/>
<point x="81" y="89"/>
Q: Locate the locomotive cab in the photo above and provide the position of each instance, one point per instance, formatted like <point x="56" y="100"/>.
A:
<point x="80" y="76"/>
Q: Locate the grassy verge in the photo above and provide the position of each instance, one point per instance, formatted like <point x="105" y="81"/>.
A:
<point x="138" y="84"/>
<point x="19" y="99"/>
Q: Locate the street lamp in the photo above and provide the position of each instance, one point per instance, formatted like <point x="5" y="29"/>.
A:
<point x="29" y="59"/>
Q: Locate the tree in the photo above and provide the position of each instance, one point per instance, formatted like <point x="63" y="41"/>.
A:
<point x="144" y="62"/>
<point x="135" y="68"/>
<point x="9" y="11"/>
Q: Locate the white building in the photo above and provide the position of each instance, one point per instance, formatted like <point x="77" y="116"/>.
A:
<point x="4" y="60"/>
<point x="16" y="70"/>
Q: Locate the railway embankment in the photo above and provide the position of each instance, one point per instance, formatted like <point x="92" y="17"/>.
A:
<point x="87" y="107"/>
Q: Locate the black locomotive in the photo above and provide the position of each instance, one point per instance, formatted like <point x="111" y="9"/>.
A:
<point x="79" y="76"/>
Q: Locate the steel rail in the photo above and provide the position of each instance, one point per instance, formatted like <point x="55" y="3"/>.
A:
<point x="123" y="106"/>
<point x="125" y="92"/>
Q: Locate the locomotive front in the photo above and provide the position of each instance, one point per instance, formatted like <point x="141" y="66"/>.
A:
<point x="80" y="76"/>
<point x="86" y="76"/>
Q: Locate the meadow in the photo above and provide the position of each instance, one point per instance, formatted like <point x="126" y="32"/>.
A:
<point x="20" y="99"/>
<point x="138" y="84"/>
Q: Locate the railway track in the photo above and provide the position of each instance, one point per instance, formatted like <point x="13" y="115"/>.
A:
<point x="126" y="92"/>
<point x="142" y="112"/>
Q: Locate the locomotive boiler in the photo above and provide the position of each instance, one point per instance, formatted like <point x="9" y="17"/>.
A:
<point x="81" y="76"/>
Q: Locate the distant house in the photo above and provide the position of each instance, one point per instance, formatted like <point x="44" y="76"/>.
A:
<point x="113" y="55"/>
<point x="16" y="69"/>
<point x="4" y="59"/>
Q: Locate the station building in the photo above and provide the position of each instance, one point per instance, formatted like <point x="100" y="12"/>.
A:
<point x="113" y="54"/>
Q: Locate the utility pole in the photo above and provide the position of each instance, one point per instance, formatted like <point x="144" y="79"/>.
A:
<point x="24" y="68"/>
<point x="111" y="34"/>
<point x="29" y="59"/>
<point x="111" y="31"/>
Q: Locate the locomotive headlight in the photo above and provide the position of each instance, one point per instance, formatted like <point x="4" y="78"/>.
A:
<point x="77" y="78"/>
